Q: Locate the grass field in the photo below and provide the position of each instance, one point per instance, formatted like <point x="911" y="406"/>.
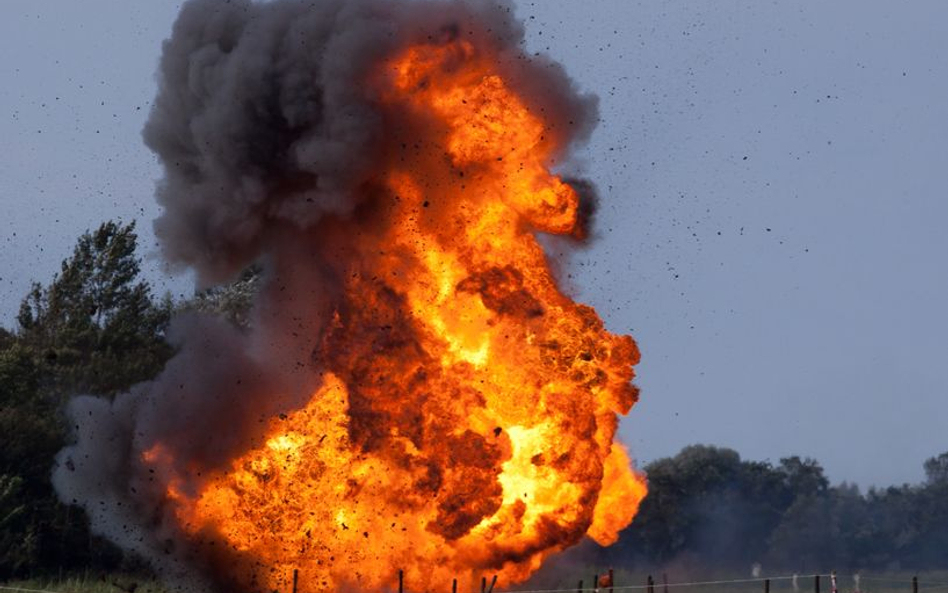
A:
<point x="635" y="582"/>
<point x="626" y="582"/>
<point x="88" y="584"/>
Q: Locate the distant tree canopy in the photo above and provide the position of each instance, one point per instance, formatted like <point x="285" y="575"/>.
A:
<point x="707" y="507"/>
<point x="936" y="469"/>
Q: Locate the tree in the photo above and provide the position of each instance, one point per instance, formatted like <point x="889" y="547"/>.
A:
<point x="96" y="327"/>
<point x="936" y="469"/>
<point x="6" y="339"/>
<point x="233" y="302"/>
<point x="804" y="477"/>
<point x="709" y="506"/>
<point x="16" y="550"/>
<point x="929" y="547"/>
<point x="31" y="427"/>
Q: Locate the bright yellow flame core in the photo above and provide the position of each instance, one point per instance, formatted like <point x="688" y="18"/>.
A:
<point x="465" y="423"/>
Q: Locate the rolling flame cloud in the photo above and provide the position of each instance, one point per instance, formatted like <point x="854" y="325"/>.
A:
<point x="415" y="393"/>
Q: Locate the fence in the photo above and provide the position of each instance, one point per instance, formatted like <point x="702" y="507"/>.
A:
<point x="606" y="583"/>
<point x="817" y="583"/>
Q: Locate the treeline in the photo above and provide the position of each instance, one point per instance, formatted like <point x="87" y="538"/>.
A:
<point x="97" y="328"/>
<point x="709" y="509"/>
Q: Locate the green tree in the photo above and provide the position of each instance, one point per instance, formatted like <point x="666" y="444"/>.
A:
<point x="30" y="424"/>
<point x="6" y="339"/>
<point x="936" y="469"/>
<point x="709" y="506"/>
<point x="233" y="302"/>
<point x="804" y="477"/>
<point x="17" y="544"/>
<point x="96" y="327"/>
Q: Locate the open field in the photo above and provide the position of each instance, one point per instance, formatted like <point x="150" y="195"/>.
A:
<point x="632" y="582"/>
<point x="113" y="583"/>
<point x="635" y="582"/>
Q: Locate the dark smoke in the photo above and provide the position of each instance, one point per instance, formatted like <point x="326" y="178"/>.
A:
<point x="263" y="119"/>
<point x="267" y="131"/>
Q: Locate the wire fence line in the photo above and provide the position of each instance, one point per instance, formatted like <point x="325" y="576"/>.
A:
<point x="827" y="582"/>
<point x="901" y="582"/>
<point x="912" y="584"/>
<point x="664" y="585"/>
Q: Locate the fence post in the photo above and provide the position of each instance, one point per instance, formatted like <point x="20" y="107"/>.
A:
<point x="595" y="583"/>
<point x="401" y="581"/>
<point x="483" y="584"/>
<point x="766" y="585"/>
<point x="454" y="586"/>
<point x="296" y="578"/>
<point x="579" y="587"/>
<point x="816" y="583"/>
<point x="612" y="582"/>
<point x="651" y="584"/>
<point x="915" y="584"/>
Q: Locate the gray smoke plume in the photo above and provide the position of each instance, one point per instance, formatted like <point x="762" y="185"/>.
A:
<point x="266" y="129"/>
<point x="263" y="119"/>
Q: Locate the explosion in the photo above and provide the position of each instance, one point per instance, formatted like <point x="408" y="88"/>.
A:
<point x="415" y="393"/>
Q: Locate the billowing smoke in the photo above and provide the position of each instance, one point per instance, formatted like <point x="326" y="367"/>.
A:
<point x="278" y="144"/>
<point x="264" y="119"/>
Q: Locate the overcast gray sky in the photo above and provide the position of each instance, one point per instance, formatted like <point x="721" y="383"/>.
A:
<point x="774" y="208"/>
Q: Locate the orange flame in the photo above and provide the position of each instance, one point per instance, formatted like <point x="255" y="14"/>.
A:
<point x="465" y="421"/>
